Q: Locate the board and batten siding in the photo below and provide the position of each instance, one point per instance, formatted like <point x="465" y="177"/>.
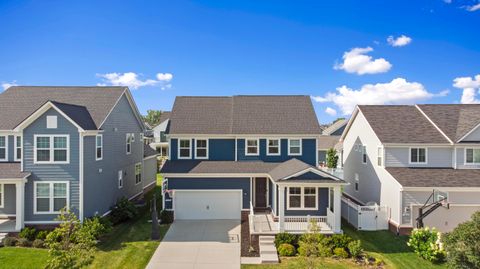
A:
<point x="50" y="172"/>
<point x="210" y="184"/>
<point x="101" y="177"/>
<point x="436" y="157"/>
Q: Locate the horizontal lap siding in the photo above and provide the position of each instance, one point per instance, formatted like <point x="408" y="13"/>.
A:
<point x="322" y="205"/>
<point x="50" y="172"/>
<point x="210" y="184"/>
<point x="436" y="157"/>
<point x="149" y="171"/>
<point x="9" y="201"/>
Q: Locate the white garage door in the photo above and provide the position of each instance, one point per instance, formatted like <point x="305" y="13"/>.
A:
<point x="207" y="204"/>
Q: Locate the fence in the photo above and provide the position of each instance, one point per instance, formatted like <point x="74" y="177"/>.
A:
<point x="368" y="218"/>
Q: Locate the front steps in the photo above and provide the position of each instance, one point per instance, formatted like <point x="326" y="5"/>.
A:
<point x="268" y="251"/>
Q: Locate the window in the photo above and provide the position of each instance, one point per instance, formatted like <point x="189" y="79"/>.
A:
<point x="418" y="155"/>
<point x="3" y="148"/>
<point x="294" y="146"/>
<point x="184" y="149"/>
<point x="379" y="156"/>
<point x="18" y="148"/>
<point x="273" y="147"/>
<point x="51" y="122"/>
<point x="472" y="156"/>
<point x="251" y="147"/>
<point x="1" y="195"/>
<point x="201" y="148"/>
<point x="302" y="198"/>
<point x="364" y="154"/>
<point x="330" y="196"/>
<point x="120" y="179"/>
<point x="129" y="143"/>
<point x="50" y="197"/>
<point x="99" y="147"/>
<point x="138" y="173"/>
<point x="133" y="137"/>
<point x="52" y="149"/>
<point x="357" y="181"/>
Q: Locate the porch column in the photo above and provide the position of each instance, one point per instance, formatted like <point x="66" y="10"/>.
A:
<point x="337" y="207"/>
<point x="281" y="208"/>
<point x="20" y="205"/>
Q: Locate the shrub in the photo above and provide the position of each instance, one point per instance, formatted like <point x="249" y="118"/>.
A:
<point x="355" y="248"/>
<point x="341" y="253"/>
<point x="324" y="251"/>
<point x="38" y="243"/>
<point x="340" y="241"/>
<point x="166" y="217"/>
<point x="42" y="235"/>
<point x="287" y="250"/>
<point x="124" y="210"/>
<point x="426" y="243"/>
<point x="97" y="226"/>
<point x="313" y="238"/>
<point x="307" y="249"/>
<point x="463" y="244"/>
<point x="9" y="241"/>
<point x="28" y="233"/>
<point x="285" y="238"/>
<point x="23" y="242"/>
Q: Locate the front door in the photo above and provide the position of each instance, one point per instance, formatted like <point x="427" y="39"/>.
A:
<point x="261" y="192"/>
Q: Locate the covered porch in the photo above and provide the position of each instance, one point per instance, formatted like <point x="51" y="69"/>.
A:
<point x="12" y="197"/>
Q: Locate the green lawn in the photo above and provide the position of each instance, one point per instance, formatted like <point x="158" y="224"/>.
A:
<point x="381" y="244"/>
<point x="127" y="246"/>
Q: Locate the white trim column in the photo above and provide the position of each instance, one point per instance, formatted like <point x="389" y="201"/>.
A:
<point x="281" y="208"/>
<point x="20" y="205"/>
<point x="337" y="209"/>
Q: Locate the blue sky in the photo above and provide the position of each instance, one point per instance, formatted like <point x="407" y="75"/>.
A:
<point x="249" y="47"/>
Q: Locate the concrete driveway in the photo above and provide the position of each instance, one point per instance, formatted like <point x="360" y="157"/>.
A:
<point x="196" y="244"/>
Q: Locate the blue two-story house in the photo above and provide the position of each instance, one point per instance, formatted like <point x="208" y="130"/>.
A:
<point x="254" y="155"/>
<point x="74" y="147"/>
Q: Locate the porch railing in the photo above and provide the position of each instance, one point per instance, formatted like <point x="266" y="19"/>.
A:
<point x="338" y="172"/>
<point x="251" y="218"/>
<point x="301" y="223"/>
<point x="330" y="218"/>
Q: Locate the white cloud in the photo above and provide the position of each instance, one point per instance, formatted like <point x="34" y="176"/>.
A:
<point x="6" y="85"/>
<point x="447" y="1"/>
<point x="400" y="41"/>
<point x="133" y="80"/>
<point x="473" y="8"/>
<point x="398" y="91"/>
<point x="470" y="88"/>
<point x="356" y="61"/>
<point x="330" y="111"/>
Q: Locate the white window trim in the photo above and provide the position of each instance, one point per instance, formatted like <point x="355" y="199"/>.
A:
<point x="35" y="212"/>
<point x="2" y="191"/>
<point x="141" y="173"/>
<point x="189" y="149"/>
<point x="302" y="199"/>
<point x="127" y="142"/>
<point x="16" y="147"/>
<point x="6" y="148"/>
<point x="52" y="150"/>
<point x="207" y="149"/>
<point x="380" y="155"/>
<point x="101" y="147"/>
<point x="356" y="184"/>
<point x="301" y="147"/>
<point x="465" y="156"/>
<point x="246" y="147"/>
<point x="364" y="152"/>
<point x="279" y="147"/>
<point x="410" y="155"/>
<point x="120" y="179"/>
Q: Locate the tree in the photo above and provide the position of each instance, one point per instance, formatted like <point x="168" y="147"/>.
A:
<point x="463" y="244"/>
<point x="332" y="158"/>
<point x="152" y="117"/>
<point x="337" y="120"/>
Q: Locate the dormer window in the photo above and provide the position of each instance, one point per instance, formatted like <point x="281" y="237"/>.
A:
<point x="3" y="148"/>
<point x="472" y="156"/>
<point x="251" y="148"/>
<point x="418" y="155"/>
<point x="273" y="147"/>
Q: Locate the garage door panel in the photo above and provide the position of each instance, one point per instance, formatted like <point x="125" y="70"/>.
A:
<point x="445" y="220"/>
<point x="207" y="204"/>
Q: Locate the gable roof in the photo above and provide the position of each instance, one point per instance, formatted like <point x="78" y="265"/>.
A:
<point x="244" y="115"/>
<point x="165" y="115"/>
<point x="327" y="141"/>
<point x="148" y="151"/>
<point x="88" y="105"/>
<point x="401" y="124"/>
<point x="334" y="126"/>
<point x="455" y="120"/>
<point x="12" y="171"/>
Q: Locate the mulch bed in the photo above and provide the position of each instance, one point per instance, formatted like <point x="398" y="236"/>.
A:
<point x="248" y="241"/>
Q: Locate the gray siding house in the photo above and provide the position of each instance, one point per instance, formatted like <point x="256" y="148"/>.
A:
<point x="75" y="147"/>
<point x="255" y="155"/>
<point x="398" y="156"/>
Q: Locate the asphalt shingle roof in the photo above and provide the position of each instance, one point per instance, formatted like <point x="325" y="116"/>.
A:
<point x="148" y="151"/>
<point x="243" y="115"/>
<point x="435" y="177"/>
<point x="11" y="171"/>
<point x="18" y="102"/>
<point x="328" y="141"/>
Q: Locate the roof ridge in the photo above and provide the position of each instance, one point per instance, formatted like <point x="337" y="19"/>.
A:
<point x="434" y="124"/>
